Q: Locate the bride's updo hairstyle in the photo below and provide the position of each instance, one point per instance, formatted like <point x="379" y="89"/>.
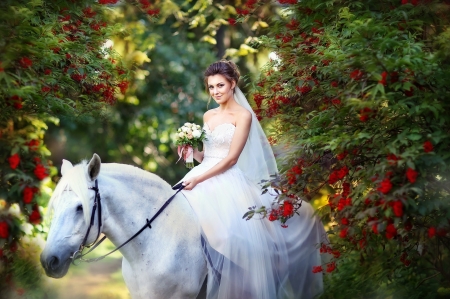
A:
<point x="223" y="67"/>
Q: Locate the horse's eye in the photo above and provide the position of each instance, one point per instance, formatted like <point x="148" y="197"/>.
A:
<point x="79" y="208"/>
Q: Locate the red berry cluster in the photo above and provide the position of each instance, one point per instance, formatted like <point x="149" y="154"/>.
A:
<point x="285" y="211"/>
<point x="107" y="1"/>
<point x="294" y="172"/>
<point x="338" y="174"/>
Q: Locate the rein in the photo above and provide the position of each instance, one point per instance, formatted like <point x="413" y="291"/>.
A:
<point x="78" y="255"/>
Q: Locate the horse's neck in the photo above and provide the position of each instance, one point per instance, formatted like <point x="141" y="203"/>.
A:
<point x="129" y="200"/>
<point x="163" y="262"/>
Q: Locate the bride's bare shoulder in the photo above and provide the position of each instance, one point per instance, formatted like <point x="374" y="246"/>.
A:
<point x="208" y="114"/>
<point x="243" y="115"/>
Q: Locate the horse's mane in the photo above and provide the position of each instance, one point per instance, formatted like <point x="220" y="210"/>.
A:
<point x="76" y="179"/>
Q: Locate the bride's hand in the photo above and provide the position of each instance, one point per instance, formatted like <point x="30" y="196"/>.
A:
<point x="190" y="183"/>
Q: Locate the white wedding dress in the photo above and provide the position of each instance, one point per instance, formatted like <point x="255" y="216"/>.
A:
<point x="255" y="259"/>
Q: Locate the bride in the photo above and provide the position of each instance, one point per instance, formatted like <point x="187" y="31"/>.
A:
<point x="255" y="259"/>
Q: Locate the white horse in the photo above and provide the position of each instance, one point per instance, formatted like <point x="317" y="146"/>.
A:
<point x="165" y="261"/>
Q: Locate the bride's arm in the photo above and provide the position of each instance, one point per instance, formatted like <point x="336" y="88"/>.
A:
<point x="243" y="124"/>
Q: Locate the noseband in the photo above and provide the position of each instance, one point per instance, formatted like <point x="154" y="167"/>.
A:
<point x="78" y="255"/>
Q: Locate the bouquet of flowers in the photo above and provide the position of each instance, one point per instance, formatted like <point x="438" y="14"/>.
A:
<point x="189" y="137"/>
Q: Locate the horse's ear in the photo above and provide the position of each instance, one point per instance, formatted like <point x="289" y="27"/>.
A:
<point x="66" y="165"/>
<point x="94" y="167"/>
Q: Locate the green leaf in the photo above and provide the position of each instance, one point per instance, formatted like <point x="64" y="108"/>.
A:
<point x="9" y="176"/>
<point x="414" y="137"/>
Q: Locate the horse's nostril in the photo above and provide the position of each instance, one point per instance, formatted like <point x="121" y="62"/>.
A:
<point x="53" y="263"/>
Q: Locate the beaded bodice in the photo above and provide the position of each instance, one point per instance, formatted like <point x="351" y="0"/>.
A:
<point x="218" y="141"/>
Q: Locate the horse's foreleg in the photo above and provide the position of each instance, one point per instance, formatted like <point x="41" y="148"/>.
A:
<point x="131" y="280"/>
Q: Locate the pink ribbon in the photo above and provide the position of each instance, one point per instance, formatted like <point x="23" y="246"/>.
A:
<point x="184" y="151"/>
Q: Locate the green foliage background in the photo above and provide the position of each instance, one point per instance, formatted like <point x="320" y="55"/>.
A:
<point x="167" y="57"/>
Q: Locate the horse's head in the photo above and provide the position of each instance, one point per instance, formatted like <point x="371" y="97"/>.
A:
<point x="71" y="205"/>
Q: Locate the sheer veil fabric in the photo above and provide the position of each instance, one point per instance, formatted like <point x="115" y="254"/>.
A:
<point x="304" y="232"/>
<point x="254" y="259"/>
<point x="256" y="160"/>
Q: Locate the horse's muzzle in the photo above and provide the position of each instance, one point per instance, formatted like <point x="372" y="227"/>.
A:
<point x="55" y="266"/>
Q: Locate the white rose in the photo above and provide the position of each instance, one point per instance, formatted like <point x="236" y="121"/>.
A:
<point x="14" y="210"/>
<point x="184" y="129"/>
<point x="196" y="133"/>
<point x="181" y="134"/>
<point x="189" y="131"/>
<point x="188" y="125"/>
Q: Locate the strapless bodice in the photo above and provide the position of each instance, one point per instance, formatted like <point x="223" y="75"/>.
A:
<point x="218" y="142"/>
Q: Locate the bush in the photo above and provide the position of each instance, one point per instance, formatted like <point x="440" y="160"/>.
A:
<point x="53" y="62"/>
<point x="357" y="96"/>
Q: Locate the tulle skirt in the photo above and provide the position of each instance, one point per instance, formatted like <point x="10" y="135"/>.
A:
<point x="254" y="259"/>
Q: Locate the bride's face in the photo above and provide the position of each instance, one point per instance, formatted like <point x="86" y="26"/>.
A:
<point x="220" y="88"/>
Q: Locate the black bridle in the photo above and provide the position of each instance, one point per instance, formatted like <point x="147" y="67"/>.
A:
<point x="78" y="255"/>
